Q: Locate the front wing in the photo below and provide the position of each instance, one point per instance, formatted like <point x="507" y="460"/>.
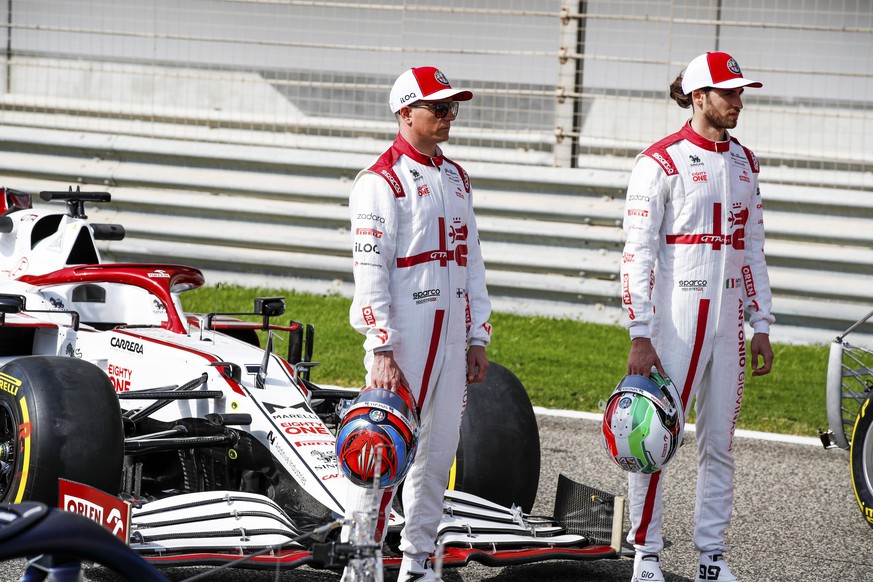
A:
<point x="249" y="530"/>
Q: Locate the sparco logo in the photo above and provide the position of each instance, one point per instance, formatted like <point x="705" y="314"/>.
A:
<point x="668" y="167"/>
<point x="397" y="187"/>
<point x="692" y="284"/>
<point x="426" y="294"/>
<point x="127" y="345"/>
<point x="636" y="197"/>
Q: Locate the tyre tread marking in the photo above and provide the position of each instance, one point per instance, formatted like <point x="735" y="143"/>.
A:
<point x="25" y="450"/>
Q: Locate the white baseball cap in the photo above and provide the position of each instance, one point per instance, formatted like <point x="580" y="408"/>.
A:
<point x="423" y="83"/>
<point x="718" y="70"/>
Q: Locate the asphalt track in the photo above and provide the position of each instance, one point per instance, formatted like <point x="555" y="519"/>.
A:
<point x="795" y="517"/>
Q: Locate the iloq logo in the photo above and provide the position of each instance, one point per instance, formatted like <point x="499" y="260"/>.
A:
<point x="366" y="248"/>
<point x="409" y="97"/>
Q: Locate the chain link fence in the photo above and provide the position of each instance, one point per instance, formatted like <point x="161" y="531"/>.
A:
<point x="557" y="83"/>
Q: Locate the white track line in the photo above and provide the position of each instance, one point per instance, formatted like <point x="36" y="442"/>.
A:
<point x="752" y="434"/>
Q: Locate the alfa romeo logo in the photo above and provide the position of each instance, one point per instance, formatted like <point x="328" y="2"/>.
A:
<point x="733" y="67"/>
<point x="438" y="75"/>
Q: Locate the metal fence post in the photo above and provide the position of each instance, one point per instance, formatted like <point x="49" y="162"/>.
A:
<point x="569" y="85"/>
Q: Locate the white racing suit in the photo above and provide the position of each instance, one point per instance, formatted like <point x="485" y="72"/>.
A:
<point x="693" y="262"/>
<point x="419" y="291"/>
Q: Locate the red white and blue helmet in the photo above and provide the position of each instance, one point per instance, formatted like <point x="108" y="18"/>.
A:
<point x="643" y="423"/>
<point x="380" y="428"/>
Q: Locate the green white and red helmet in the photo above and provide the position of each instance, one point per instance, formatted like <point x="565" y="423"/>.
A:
<point x="643" y="423"/>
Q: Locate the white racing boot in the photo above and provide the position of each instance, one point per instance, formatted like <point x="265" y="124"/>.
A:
<point x="713" y="568"/>
<point x="647" y="568"/>
<point x="416" y="571"/>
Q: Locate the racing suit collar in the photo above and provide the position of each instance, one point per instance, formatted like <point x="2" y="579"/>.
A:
<point x="688" y="133"/>
<point x="404" y="147"/>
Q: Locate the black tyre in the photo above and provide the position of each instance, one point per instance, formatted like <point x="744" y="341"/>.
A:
<point x="499" y="453"/>
<point x="861" y="454"/>
<point x="59" y="418"/>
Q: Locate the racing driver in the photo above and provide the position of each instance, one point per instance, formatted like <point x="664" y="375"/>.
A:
<point x="693" y="263"/>
<point x="420" y="298"/>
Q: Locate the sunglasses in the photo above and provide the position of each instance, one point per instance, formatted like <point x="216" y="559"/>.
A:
<point x="441" y="109"/>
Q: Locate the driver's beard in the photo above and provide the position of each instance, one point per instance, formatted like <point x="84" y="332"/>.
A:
<point x="715" y="119"/>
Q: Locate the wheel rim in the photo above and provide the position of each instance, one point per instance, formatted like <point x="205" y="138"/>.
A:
<point x="867" y="462"/>
<point x="8" y="442"/>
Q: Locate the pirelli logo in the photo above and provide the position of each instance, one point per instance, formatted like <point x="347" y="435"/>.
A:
<point x="9" y="384"/>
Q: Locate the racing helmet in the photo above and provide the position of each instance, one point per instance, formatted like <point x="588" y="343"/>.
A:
<point x="379" y="427"/>
<point x="643" y="423"/>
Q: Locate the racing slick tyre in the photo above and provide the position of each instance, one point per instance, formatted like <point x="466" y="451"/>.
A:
<point x="498" y="456"/>
<point x="59" y="418"/>
<point x="861" y="454"/>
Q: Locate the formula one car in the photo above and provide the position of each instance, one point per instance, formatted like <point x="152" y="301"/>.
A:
<point x="850" y="412"/>
<point x="222" y="450"/>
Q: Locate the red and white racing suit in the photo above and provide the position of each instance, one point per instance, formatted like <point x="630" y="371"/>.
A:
<point x="693" y="262"/>
<point x="420" y="291"/>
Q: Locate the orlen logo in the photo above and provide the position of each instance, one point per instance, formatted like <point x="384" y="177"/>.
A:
<point x="749" y="281"/>
<point x="625" y="289"/>
<point x="108" y="511"/>
<point x="84" y="507"/>
<point x="369" y="318"/>
<point x="159" y="274"/>
<point x="637" y="212"/>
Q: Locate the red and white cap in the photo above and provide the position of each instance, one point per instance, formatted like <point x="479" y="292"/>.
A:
<point x="423" y="84"/>
<point x="718" y="70"/>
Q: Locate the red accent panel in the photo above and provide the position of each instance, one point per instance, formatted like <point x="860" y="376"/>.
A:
<point x="702" y="320"/>
<point x="648" y="507"/>
<point x="699" y="334"/>
<point x="387" y="496"/>
<point x="431" y="353"/>
<point x="452" y="558"/>
<point x="206" y="356"/>
<point x="441" y="254"/>
<point x="157" y="279"/>
<point x="716" y="238"/>
<point x="658" y="152"/>
<point x="384" y="167"/>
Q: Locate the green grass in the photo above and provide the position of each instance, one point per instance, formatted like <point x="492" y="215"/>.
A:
<point x="563" y="363"/>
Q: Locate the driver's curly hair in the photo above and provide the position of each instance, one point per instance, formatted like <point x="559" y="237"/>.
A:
<point x="676" y="94"/>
